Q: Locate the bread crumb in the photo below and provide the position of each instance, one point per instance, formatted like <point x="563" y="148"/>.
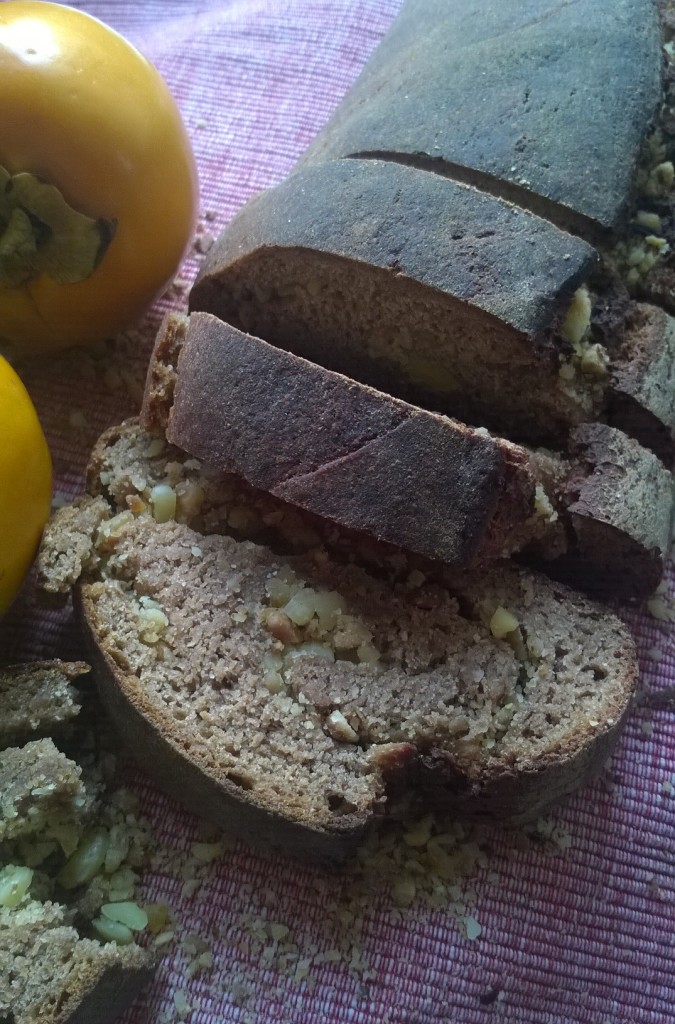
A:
<point x="183" y="1007"/>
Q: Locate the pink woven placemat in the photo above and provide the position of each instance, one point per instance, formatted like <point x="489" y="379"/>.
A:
<point x="573" y="922"/>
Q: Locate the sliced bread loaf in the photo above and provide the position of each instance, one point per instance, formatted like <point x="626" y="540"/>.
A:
<point x="415" y="479"/>
<point x="284" y="695"/>
<point x="434" y="292"/>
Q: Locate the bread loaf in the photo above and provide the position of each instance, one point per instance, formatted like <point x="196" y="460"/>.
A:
<point x="415" y="479"/>
<point x="422" y="244"/>
<point x="284" y="695"/>
<point x="431" y="291"/>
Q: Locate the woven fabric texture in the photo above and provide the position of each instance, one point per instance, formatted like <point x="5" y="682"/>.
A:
<point x="572" y="921"/>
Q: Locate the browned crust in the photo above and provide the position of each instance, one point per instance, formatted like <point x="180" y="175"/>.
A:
<point x="422" y="97"/>
<point x="521" y="795"/>
<point x="642" y="382"/>
<point x="105" y="994"/>
<point x="94" y="989"/>
<point x="619" y="508"/>
<point x="484" y="254"/>
<point x="338" y="448"/>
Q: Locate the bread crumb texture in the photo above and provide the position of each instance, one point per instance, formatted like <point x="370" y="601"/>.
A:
<point x="306" y="681"/>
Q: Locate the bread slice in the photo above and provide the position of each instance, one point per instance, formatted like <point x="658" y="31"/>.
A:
<point x="641" y="395"/>
<point x="514" y="98"/>
<point x="284" y="695"/>
<point x="415" y="479"/>
<point x="436" y="293"/>
<point x="340" y="449"/>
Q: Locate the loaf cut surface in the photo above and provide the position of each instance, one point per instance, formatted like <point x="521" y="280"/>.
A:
<point x="283" y="695"/>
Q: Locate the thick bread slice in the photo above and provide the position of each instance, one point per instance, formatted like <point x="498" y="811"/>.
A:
<point x="283" y="695"/>
<point x="572" y="91"/>
<point x="340" y="449"/>
<point x="431" y="291"/>
<point x="415" y="479"/>
<point x="412" y="283"/>
<point x="641" y="387"/>
<point x="618" y="507"/>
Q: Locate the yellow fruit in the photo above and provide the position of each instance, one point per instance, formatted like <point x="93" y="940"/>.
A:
<point x="25" y="483"/>
<point x="98" y="185"/>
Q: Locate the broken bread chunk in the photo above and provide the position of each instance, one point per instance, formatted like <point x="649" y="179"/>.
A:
<point x="49" y="975"/>
<point x="38" y="699"/>
<point x="283" y="690"/>
<point x="66" y="848"/>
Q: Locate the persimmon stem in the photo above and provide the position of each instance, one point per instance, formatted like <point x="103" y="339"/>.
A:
<point x="40" y="233"/>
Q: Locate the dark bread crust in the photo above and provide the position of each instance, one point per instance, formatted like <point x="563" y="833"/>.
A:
<point x="342" y="450"/>
<point x="539" y="787"/>
<point x="642" y="381"/>
<point x="104" y="994"/>
<point x="74" y="980"/>
<point x="512" y="269"/>
<point x="620" y="488"/>
<point x="559" y="126"/>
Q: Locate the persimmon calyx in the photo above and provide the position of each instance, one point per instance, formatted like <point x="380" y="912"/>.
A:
<point x="40" y="233"/>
